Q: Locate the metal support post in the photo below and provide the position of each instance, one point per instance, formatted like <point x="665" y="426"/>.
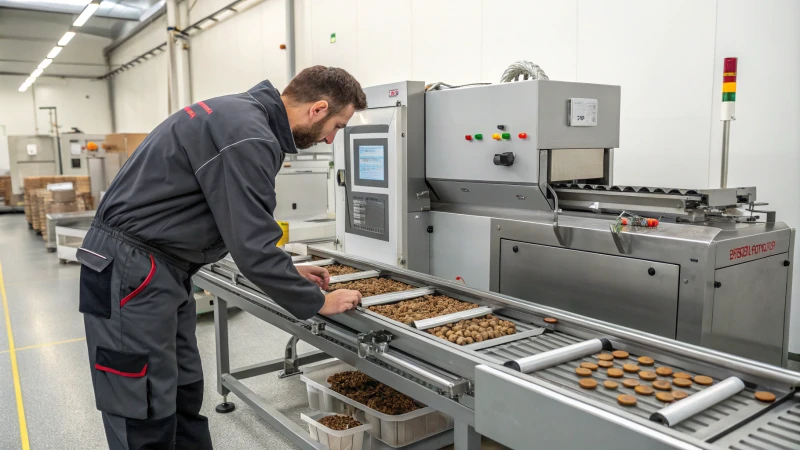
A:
<point x="726" y="141"/>
<point x="465" y="437"/>
<point x="223" y="356"/>
<point x="291" y="364"/>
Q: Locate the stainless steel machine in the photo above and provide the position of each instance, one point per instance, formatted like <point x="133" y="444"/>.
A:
<point x="519" y="198"/>
<point x="74" y="154"/>
<point x="520" y="390"/>
<point x="31" y="156"/>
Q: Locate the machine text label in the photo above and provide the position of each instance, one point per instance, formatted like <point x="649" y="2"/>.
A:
<point x="750" y="250"/>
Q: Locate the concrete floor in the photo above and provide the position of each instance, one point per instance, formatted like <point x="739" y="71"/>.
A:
<point x="53" y="364"/>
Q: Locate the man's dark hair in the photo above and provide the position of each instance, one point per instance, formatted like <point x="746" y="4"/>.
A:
<point x="331" y="84"/>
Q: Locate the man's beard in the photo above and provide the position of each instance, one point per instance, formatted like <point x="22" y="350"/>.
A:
<point x="306" y="137"/>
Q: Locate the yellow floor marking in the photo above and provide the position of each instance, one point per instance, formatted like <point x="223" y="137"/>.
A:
<point x="46" y="344"/>
<point x="23" y="425"/>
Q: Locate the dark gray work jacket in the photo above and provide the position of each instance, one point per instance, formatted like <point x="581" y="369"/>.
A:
<point x="203" y="183"/>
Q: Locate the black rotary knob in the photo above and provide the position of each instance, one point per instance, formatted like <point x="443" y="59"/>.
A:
<point x="786" y="263"/>
<point x="717" y="284"/>
<point x="651" y="271"/>
<point x="504" y="159"/>
<point x="516" y="249"/>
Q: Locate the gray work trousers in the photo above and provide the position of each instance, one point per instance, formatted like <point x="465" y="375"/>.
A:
<point x="140" y="319"/>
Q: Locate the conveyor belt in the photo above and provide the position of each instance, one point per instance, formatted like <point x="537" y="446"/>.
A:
<point x="779" y="429"/>
<point x="702" y="426"/>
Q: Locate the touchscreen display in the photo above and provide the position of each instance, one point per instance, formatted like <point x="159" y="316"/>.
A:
<point x="371" y="162"/>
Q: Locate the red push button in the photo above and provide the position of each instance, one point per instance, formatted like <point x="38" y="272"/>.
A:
<point x="523" y="135"/>
<point x="468" y="137"/>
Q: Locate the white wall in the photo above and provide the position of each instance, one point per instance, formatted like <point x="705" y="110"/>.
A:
<point x="81" y="103"/>
<point x="140" y="92"/>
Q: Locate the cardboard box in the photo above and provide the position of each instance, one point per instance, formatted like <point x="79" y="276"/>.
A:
<point x="123" y="142"/>
<point x="63" y="196"/>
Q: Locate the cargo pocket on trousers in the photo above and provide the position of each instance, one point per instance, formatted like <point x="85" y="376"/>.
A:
<point x="95" y="294"/>
<point x="120" y="383"/>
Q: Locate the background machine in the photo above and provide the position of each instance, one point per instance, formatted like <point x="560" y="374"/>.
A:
<point x="509" y="187"/>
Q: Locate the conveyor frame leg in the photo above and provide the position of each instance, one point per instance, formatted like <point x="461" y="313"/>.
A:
<point x="223" y="353"/>
<point x="465" y="437"/>
<point x="291" y="364"/>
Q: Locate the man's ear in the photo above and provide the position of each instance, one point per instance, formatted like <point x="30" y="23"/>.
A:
<point x="318" y="108"/>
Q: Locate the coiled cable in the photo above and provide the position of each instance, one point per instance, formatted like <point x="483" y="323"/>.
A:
<point x="525" y="69"/>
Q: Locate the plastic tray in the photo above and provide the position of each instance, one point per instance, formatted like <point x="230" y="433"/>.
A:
<point x="351" y="439"/>
<point x="394" y="431"/>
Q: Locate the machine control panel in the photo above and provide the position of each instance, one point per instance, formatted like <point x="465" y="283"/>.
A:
<point x="369" y="213"/>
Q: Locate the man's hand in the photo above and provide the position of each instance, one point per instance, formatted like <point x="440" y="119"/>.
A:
<point x="315" y="274"/>
<point x="340" y="301"/>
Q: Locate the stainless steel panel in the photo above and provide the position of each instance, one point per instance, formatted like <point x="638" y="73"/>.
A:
<point x="750" y="308"/>
<point x="554" y="131"/>
<point x="616" y="289"/>
<point x="524" y="415"/>
<point x="497" y="195"/>
<point x="748" y="242"/>
<point x="451" y="258"/>
<point x="417" y="250"/>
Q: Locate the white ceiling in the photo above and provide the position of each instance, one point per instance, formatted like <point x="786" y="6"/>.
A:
<point x="30" y="28"/>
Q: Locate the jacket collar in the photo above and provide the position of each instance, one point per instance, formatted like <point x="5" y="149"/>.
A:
<point x="270" y="100"/>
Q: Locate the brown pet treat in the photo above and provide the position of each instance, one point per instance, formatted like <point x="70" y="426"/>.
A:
<point x="630" y="383"/>
<point x="647" y="375"/>
<point x="682" y="382"/>
<point x="550" y="320"/>
<point x="615" y="373"/>
<point x="588" y="383"/>
<point x="608" y="384"/>
<point x="665" y="397"/>
<point x="605" y="364"/>
<point x="703" y="380"/>
<point x="662" y="385"/>
<point x="681" y="375"/>
<point x="583" y="372"/>
<point x="664" y="371"/>
<point x="605" y="357"/>
<point x="339" y="422"/>
<point x="588" y="365"/>
<point x="630" y="368"/>
<point x="644" y="390"/>
<point x="620" y="354"/>
<point x="646" y="361"/>
<point x="626" y="400"/>
<point x="764" y="396"/>
<point x="679" y="395"/>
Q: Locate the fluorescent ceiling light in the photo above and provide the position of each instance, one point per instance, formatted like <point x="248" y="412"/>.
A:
<point x="225" y="14"/>
<point x="30" y="80"/>
<point x="36" y="73"/>
<point x="207" y="24"/>
<point x="54" y="52"/>
<point x="67" y="37"/>
<point x="24" y="87"/>
<point x="87" y="12"/>
<point x="45" y="63"/>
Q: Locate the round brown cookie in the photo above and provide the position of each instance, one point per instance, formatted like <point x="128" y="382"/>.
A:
<point x="664" y="371"/>
<point x="615" y="373"/>
<point x="588" y="383"/>
<point x="681" y="375"/>
<point x="626" y="400"/>
<point x="608" y="384"/>
<point x="662" y="385"/>
<point x="550" y="320"/>
<point x="620" y="354"/>
<point x="630" y="368"/>
<point x="644" y="390"/>
<point x="647" y="375"/>
<point x="588" y="365"/>
<point x="665" y="397"/>
<point x="679" y="395"/>
<point x="583" y="372"/>
<point x="630" y="383"/>
<point x="764" y="396"/>
<point x="646" y="361"/>
<point x="605" y="356"/>
<point x="605" y="364"/>
<point x="703" y="380"/>
<point x="682" y="382"/>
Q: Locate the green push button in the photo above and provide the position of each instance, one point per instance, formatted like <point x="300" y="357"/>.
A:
<point x="506" y="136"/>
<point x="478" y="137"/>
